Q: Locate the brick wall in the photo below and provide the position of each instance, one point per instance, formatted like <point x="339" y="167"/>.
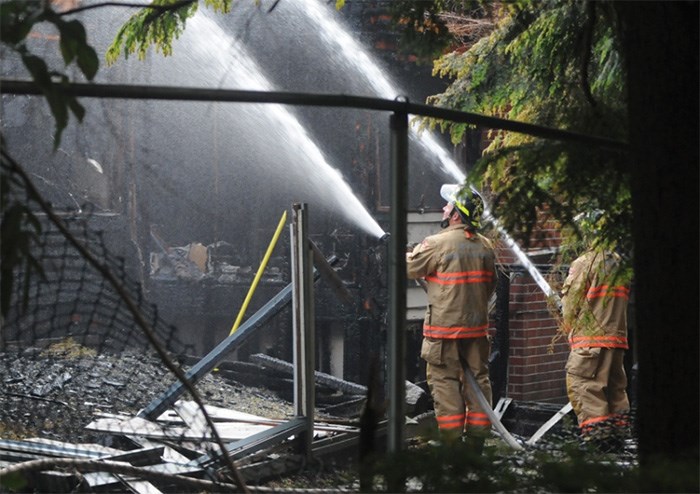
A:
<point x="536" y="356"/>
<point x="537" y="352"/>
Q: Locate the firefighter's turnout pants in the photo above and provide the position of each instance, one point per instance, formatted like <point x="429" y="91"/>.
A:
<point x="596" y="384"/>
<point x="456" y="408"/>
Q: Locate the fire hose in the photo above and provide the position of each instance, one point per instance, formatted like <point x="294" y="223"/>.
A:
<point x="486" y="406"/>
<point x="479" y="395"/>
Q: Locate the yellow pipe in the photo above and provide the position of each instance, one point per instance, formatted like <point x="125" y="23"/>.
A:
<point x="258" y="275"/>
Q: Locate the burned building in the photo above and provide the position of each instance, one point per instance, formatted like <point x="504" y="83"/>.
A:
<point x="189" y="193"/>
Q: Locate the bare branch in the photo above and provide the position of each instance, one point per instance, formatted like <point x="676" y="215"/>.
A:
<point x="467" y="27"/>
<point x="160" y="8"/>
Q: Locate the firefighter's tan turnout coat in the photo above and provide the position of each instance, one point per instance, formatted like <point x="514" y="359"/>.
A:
<point x="594" y="302"/>
<point x="460" y="273"/>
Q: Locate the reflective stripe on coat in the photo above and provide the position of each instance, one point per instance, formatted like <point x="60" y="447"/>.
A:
<point x="594" y="302"/>
<point x="460" y="272"/>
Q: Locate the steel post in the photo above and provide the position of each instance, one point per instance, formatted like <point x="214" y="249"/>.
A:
<point x="397" y="281"/>
<point x="303" y="323"/>
<point x="214" y="357"/>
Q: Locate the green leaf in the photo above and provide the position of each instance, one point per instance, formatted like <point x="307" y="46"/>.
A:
<point x="223" y="6"/>
<point x="77" y="109"/>
<point x="72" y="37"/>
<point x="58" y="101"/>
<point x="88" y="61"/>
<point x="58" y="104"/>
<point x="155" y="28"/>
<point x="39" y="71"/>
<point x="69" y="47"/>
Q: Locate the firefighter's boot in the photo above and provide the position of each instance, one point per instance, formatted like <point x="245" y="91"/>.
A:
<point x="475" y="443"/>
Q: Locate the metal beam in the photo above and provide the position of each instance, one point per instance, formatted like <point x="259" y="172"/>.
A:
<point x="254" y="443"/>
<point x="214" y="357"/>
<point x="549" y="424"/>
<point x="320" y="377"/>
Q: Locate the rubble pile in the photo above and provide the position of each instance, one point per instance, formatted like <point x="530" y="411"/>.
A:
<point x="55" y="392"/>
<point x="66" y="403"/>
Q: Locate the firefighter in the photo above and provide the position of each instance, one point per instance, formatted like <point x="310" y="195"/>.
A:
<point x="595" y="295"/>
<point x="458" y="267"/>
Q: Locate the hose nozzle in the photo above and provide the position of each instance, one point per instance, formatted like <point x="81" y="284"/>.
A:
<point x="384" y="238"/>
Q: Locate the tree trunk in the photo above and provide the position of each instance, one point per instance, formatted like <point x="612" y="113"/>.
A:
<point x="660" y="42"/>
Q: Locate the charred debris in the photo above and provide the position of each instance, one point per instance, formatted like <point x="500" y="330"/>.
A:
<point x="94" y="410"/>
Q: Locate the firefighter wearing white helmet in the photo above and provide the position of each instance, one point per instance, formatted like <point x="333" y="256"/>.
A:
<point x="466" y="202"/>
<point x="459" y="268"/>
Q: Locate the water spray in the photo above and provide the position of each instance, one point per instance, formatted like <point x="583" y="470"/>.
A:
<point x="357" y="56"/>
<point x="526" y="262"/>
<point x="327" y="182"/>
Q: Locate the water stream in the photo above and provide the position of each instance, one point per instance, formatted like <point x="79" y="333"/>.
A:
<point x="360" y="62"/>
<point x="230" y="66"/>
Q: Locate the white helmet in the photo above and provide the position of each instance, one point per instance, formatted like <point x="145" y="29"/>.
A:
<point x="468" y="202"/>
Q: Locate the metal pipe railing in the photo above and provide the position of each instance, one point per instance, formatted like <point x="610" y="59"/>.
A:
<point x="401" y="108"/>
<point x="121" y="91"/>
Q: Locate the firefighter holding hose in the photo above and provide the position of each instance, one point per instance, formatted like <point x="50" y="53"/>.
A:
<point x="595" y="296"/>
<point x="458" y="267"/>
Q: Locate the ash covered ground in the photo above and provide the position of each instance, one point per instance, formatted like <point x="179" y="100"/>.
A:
<point x="53" y="393"/>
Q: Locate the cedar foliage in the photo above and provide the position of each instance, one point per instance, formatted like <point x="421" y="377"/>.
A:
<point x="550" y="63"/>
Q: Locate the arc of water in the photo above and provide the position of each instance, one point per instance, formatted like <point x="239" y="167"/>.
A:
<point x="326" y="179"/>
<point x="526" y="262"/>
<point x="333" y="32"/>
